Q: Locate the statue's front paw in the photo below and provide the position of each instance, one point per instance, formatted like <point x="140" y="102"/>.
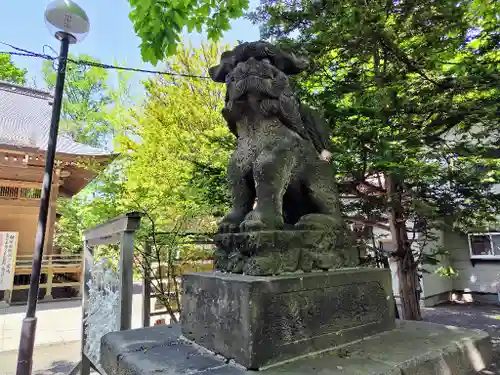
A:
<point x="228" y="227"/>
<point x="231" y="222"/>
<point x="318" y="222"/>
<point x="252" y="226"/>
<point x="257" y="220"/>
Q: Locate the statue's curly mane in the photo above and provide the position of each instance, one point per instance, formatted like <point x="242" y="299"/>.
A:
<point x="287" y="62"/>
<point x="275" y="99"/>
<point x="260" y="70"/>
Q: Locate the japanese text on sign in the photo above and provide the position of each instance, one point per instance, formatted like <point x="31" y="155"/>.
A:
<point x="8" y="250"/>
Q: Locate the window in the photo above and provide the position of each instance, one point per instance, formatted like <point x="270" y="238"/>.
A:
<point x="386" y="245"/>
<point x="484" y="245"/>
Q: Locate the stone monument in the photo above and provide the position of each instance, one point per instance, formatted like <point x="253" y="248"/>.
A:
<point x="285" y="213"/>
<point x="287" y="295"/>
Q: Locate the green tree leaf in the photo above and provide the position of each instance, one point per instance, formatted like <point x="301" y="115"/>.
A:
<point x="9" y="72"/>
<point x="186" y="13"/>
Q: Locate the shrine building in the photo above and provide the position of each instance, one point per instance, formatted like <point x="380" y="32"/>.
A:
<point x="25" y="115"/>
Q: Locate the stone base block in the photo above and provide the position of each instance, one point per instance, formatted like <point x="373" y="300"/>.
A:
<point x="258" y="321"/>
<point x="413" y="348"/>
<point x="265" y="253"/>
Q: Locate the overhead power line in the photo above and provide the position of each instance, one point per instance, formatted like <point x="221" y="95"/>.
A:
<point x="23" y="52"/>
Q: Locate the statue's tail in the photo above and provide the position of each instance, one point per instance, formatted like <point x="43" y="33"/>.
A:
<point x="316" y="128"/>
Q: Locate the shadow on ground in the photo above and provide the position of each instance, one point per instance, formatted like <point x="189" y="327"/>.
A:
<point x="56" y="368"/>
<point x="484" y="317"/>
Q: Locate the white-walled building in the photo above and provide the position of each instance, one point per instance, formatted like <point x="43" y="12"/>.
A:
<point x="475" y="257"/>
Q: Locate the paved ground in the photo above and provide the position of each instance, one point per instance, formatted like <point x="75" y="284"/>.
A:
<point x="57" y="337"/>
<point x="59" y="359"/>
<point x="58" y="322"/>
<point x="482" y="317"/>
<point x="56" y="359"/>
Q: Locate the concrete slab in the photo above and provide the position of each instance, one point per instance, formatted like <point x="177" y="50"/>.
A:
<point x="413" y="348"/>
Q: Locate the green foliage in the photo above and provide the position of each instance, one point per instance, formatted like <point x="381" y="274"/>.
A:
<point x="103" y="198"/>
<point x="100" y="201"/>
<point x="446" y="271"/>
<point x="9" y="72"/>
<point x="438" y="259"/>
<point x="174" y="149"/>
<point x="178" y="145"/>
<point x="160" y="23"/>
<point x="87" y="95"/>
<point x="410" y="89"/>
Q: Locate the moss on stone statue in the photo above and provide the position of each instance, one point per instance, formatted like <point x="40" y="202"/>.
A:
<point x="285" y="214"/>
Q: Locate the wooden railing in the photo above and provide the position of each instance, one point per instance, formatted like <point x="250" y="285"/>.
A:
<point x="19" y="190"/>
<point x="60" y="270"/>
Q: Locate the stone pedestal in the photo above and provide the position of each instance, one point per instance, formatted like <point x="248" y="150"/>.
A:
<point x="337" y="323"/>
<point x="266" y="253"/>
<point x="412" y="348"/>
<point x="259" y="321"/>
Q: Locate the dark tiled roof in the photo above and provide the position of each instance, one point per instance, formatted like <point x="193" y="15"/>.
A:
<point x="25" y="121"/>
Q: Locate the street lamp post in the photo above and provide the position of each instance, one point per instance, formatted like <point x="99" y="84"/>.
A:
<point x="69" y="24"/>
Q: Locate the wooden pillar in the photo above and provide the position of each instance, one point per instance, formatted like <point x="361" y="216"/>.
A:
<point x="49" y="234"/>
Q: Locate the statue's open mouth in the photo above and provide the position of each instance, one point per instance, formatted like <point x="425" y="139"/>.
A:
<point x="253" y="85"/>
<point x="256" y="95"/>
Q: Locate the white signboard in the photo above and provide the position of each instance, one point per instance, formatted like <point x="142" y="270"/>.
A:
<point x="8" y="250"/>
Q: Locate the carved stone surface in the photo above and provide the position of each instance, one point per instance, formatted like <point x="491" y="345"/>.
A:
<point x="278" y="180"/>
<point x="258" y="321"/>
<point x="267" y="253"/>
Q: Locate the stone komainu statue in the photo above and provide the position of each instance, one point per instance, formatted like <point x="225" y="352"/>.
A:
<point x="276" y="165"/>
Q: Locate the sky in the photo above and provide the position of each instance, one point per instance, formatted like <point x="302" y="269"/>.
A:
<point x="111" y="38"/>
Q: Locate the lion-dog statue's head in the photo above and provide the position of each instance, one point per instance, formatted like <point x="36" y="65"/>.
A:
<point x="256" y="80"/>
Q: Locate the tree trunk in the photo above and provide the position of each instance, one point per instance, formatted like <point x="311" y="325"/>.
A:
<point x="407" y="268"/>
